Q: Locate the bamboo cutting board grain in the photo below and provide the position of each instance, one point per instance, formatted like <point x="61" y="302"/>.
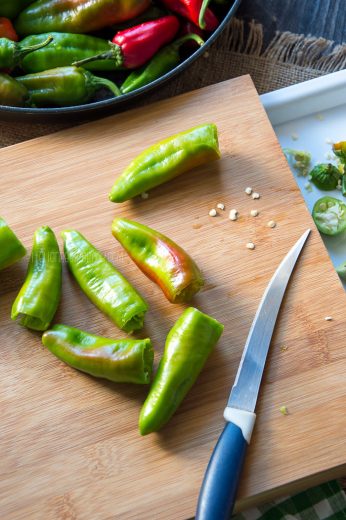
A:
<point x="70" y="445"/>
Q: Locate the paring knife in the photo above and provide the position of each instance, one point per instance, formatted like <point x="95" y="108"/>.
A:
<point x="220" y="484"/>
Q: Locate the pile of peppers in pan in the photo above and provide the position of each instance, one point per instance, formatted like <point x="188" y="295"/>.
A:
<point x="56" y="53"/>
<point x="193" y="336"/>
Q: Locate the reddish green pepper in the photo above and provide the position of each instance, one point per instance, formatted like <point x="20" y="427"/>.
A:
<point x="64" y="86"/>
<point x="12" y="93"/>
<point x="133" y="47"/>
<point x="11" y="248"/>
<point x="39" y="297"/>
<point x="12" y="53"/>
<point x="76" y="16"/>
<point x="188" y="346"/>
<point x="7" y="29"/>
<point x="160" y="259"/>
<point x="165" y="160"/>
<point x="103" y="284"/>
<point x="121" y="361"/>
<point x="64" y="49"/>
<point x="165" y="60"/>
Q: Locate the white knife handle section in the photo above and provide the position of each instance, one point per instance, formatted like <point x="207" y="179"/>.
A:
<point x="243" y="419"/>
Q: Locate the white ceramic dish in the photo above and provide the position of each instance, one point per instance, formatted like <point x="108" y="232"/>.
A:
<point x="309" y="116"/>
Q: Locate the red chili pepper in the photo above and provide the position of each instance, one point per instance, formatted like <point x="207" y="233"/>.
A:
<point x="7" y="29"/>
<point x="133" y="47"/>
<point x="196" y="11"/>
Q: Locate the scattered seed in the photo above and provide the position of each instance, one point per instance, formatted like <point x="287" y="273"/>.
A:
<point x="233" y="214"/>
<point x="250" y="245"/>
<point x="144" y="195"/>
<point x="283" y="348"/>
<point x="254" y="212"/>
<point x="271" y="224"/>
<point x="295" y="136"/>
<point x="212" y="213"/>
<point x="255" y="195"/>
<point x="221" y="206"/>
<point x="319" y="117"/>
<point x="248" y="191"/>
<point x="328" y="318"/>
<point x="283" y="410"/>
<point x="329" y="140"/>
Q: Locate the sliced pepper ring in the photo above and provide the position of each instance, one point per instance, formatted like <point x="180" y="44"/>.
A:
<point x="329" y="215"/>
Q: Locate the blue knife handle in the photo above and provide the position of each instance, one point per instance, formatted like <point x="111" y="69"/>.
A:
<point x="220" y="484"/>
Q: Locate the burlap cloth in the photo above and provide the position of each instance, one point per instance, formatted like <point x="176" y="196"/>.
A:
<point x="288" y="59"/>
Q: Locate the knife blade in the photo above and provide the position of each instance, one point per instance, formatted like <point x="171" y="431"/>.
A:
<point x="218" y="492"/>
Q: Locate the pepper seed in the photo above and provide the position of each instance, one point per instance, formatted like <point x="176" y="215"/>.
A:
<point x="254" y="212"/>
<point x="213" y="212"/>
<point x="221" y="206"/>
<point x="250" y="245"/>
<point x="271" y="224"/>
<point x="255" y="195"/>
<point x="248" y="191"/>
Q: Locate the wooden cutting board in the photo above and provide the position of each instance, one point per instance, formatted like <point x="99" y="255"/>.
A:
<point x="70" y="445"/>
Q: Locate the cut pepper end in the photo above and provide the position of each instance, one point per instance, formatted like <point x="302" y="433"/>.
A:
<point x="148" y="360"/>
<point x="30" y="322"/>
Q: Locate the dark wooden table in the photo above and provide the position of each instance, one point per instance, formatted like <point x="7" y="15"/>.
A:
<point x="325" y="18"/>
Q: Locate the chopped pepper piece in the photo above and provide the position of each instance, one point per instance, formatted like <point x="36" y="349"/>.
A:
<point x="11" y="248"/>
<point x="103" y="284"/>
<point x="187" y="348"/>
<point x="339" y="150"/>
<point x="325" y="176"/>
<point x="329" y="215"/>
<point x="38" y="299"/>
<point x="165" y="160"/>
<point x="121" y="361"/>
<point x="160" y="259"/>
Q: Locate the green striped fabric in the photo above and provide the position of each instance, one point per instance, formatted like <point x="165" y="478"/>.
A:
<point x="324" y="502"/>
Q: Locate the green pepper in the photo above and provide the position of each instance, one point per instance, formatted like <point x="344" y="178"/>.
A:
<point x="160" y="259"/>
<point x="103" y="284"/>
<point x="10" y="8"/>
<point x="76" y="16"/>
<point x="339" y="150"/>
<point x="163" y="61"/>
<point x="187" y="348"/>
<point x="11" y="248"/>
<point x="13" y="93"/>
<point x="39" y="297"/>
<point x="325" y="176"/>
<point x="165" y="160"/>
<point x="329" y="215"/>
<point x="64" y="50"/>
<point x="121" y="361"/>
<point x="64" y="86"/>
<point x="12" y="53"/>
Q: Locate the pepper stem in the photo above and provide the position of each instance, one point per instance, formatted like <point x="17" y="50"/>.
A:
<point x="26" y="50"/>
<point x="201" y="21"/>
<point x="108" y="84"/>
<point x="113" y="54"/>
<point x="187" y="37"/>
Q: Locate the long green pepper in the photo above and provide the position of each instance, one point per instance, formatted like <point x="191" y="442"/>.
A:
<point x="64" y="50"/>
<point x="64" y="86"/>
<point x="187" y="348"/>
<point x="121" y="361"/>
<point x="10" y="8"/>
<point x="165" y="160"/>
<point x="39" y="297"/>
<point x="103" y="284"/>
<point x="12" y="53"/>
<point x="164" y="60"/>
<point x="11" y="248"/>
